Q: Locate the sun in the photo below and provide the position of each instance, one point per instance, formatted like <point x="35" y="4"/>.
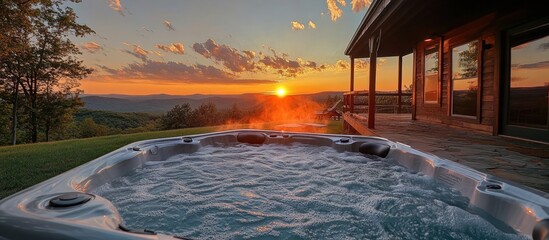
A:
<point x="281" y="92"/>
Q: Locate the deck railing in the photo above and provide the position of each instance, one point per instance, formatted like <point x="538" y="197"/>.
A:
<point x="386" y="102"/>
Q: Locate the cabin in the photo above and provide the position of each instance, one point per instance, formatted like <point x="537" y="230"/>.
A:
<point x="480" y="65"/>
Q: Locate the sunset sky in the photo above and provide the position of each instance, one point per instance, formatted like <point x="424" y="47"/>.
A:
<point x="224" y="47"/>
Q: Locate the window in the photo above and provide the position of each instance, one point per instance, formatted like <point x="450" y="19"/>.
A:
<point x="465" y="79"/>
<point x="431" y="78"/>
<point x="529" y="85"/>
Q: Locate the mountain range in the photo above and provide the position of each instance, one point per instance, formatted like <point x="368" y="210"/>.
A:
<point x="161" y="103"/>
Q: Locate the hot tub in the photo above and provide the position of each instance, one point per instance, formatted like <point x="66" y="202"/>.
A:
<point x="68" y="206"/>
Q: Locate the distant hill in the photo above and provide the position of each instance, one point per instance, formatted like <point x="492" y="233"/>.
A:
<point x="116" y="120"/>
<point x="159" y="96"/>
<point x="162" y="103"/>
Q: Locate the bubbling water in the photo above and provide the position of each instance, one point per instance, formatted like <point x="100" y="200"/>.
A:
<point x="291" y="192"/>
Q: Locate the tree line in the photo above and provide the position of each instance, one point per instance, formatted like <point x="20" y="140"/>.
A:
<point x="207" y="114"/>
<point x="39" y="68"/>
<point x="85" y="123"/>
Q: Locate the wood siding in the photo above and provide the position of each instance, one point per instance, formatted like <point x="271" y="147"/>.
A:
<point x="440" y="113"/>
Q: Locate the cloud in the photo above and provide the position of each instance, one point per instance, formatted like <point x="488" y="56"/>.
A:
<point x="175" y="72"/>
<point x="312" y="24"/>
<point x="176" y="48"/>
<point x="538" y="65"/>
<point x="248" y="61"/>
<point x="342" y="65"/>
<point x="169" y="25"/>
<point x="297" y="26"/>
<point x="359" y="5"/>
<point x="345" y="65"/>
<point x="333" y="8"/>
<point x="286" y="67"/>
<point x="363" y="64"/>
<point x="229" y="57"/>
<point x="250" y="54"/>
<point x="137" y="52"/>
<point x="116" y="6"/>
<point x="157" y="53"/>
<point x="91" y="47"/>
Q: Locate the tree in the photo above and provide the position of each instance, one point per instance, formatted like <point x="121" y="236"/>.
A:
<point x="468" y="62"/>
<point x="234" y="114"/>
<point x="38" y="55"/>
<point x="206" y="115"/>
<point x="14" y="20"/>
<point x="179" y="116"/>
<point x="89" y="128"/>
<point x="4" y="120"/>
<point x="56" y="110"/>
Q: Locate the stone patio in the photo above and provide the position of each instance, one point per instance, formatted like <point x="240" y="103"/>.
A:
<point x="516" y="160"/>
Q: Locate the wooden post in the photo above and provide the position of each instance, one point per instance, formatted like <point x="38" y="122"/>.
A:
<point x="399" y="97"/>
<point x="414" y="83"/>
<point x="352" y="96"/>
<point x="352" y="88"/>
<point x="372" y="88"/>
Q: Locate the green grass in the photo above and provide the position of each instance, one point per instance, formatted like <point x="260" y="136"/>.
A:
<point x="24" y="165"/>
<point x="335" y="127"/>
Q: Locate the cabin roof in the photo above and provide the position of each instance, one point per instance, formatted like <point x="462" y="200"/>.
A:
<point x="404" y="23"/>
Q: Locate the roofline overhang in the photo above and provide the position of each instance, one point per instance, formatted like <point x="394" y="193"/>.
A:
<point x="374" y="11"/>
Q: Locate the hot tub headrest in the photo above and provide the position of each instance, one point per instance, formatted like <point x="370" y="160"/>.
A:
<point x="541" y="230"/>
<point x="377" y="149"/>
<point x="251" y="138"/>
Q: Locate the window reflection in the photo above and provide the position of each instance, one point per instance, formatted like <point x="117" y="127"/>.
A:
<point x="465" y="79"/>
<point x="431" y="75"/>
<point x="529" y="88"/>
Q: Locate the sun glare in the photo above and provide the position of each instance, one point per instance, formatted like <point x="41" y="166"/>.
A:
<point x="281" y="92"/>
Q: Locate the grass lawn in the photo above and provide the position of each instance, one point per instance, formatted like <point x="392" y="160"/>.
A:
<point x="24" y="165"/>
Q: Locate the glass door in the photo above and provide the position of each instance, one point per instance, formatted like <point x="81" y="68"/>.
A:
<point x="526" y="96"/>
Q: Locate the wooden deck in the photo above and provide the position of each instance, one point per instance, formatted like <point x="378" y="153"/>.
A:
<point x="516" y="160"/>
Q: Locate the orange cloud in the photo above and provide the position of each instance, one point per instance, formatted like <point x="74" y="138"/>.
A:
<point x="359" y="5"/>
<point x="176" y="48"/>
<point x="91" y="47"/>
<point x="137" y="52"/>
<point x="312" y="24"/>
<point x="297" y="26"/>
<point x="169" y="25"/>
<point x="226" y="55"/>
<point x="174" y="72"/>
<point x="286" y="67"/>
<point x="116" y="6"/>
<point x="247" y="61"/>
<point x="333" y="8"/>
<point x="344" y="65"/>
<point x="250" y="54"/>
